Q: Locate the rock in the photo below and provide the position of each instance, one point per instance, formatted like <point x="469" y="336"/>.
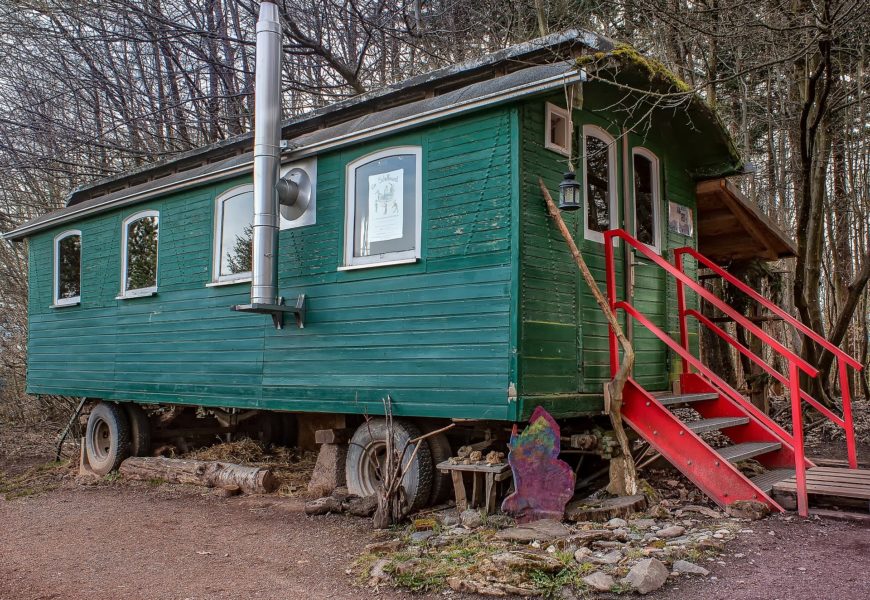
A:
<point x="600" y="511"/>
<point x="643" y="523"/>
<point x="616" y="523"/>
<point x="471" y="518"/>
<point x="748" y="509"/>
<point x="377" y="574"/>
<point x="684" y="566"/>
<point x="421" y="536"/>
<point x="611" y="558"/>
<point x="671" y="532"/>
<point x="584" y="538"/>
<point x="328" y="472"/>
<point x="403" y="568"/>
<point x="526" y="561"/>
<point x="323" y="506"/>
<point x="450" y="520"/>
<point x="384" y="547"/>
<point x="544" y="530"/>
<point x="582" y="555"/>
<point x="361" y="507"/>
<point x="707" y="512"/>
<point x="647" y="576"/>
<point x="599" y="581"/>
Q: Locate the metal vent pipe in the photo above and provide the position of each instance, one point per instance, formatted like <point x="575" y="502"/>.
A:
<point x="267" y="139"/>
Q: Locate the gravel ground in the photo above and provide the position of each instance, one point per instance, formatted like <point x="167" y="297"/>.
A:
<point x="175" y="542"/>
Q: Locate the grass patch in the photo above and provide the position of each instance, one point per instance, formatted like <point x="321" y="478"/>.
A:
<point x="34" y="481"/>
<point x="550" y="584"/>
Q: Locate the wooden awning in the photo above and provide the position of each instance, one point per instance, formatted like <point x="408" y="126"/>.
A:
<point x="732" y="228"/>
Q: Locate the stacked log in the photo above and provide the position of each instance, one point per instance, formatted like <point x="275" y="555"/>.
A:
<point x="250" y="480"/>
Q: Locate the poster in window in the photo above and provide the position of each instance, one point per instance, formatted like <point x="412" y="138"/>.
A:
<point x="680" y="219"/>
<point x="386" y="203"/>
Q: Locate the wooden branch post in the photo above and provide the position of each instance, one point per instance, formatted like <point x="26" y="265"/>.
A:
<point x="626" y="480"/>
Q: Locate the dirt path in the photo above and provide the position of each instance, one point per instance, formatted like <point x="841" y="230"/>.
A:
<point x="176" y="543"/>
<point x="171" y="543"/>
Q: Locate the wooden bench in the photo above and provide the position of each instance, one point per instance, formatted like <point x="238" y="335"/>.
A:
<point x="483" y="489"/>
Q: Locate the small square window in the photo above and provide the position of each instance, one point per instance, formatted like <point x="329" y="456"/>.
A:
<point x="557" y="130"/>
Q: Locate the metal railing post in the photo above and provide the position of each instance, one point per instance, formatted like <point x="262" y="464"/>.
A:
<point x="610" y="270"/>
<point x="847" y="414"/>
<point x="681" y="309"/>
<point x="797" y="434"/>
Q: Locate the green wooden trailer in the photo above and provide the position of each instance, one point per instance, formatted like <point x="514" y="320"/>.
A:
<point x="423" y="262"/>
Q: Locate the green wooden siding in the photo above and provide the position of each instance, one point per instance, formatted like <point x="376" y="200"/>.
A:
<point x="435" y="335"/>
<point x="494" y="305"/>
<point x="564" y="346"/>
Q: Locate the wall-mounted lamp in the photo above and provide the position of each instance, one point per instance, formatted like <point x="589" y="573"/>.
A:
<point x="569" y="192"/>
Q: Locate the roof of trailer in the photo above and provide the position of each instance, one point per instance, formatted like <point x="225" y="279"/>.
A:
<point x="543" y="64"/>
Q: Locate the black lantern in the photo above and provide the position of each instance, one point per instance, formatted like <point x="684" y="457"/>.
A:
<point x="569" y="192"/>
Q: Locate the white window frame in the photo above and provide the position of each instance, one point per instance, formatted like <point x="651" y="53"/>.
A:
<point x="549" y="144"/>
<point x="387" y="258"/>
<point x="656" y="188"/>
<point x="56" y="299"/>
<point x="217" y="278"/>
<point x="601" y="134"/>
<point x="139" y="292"/>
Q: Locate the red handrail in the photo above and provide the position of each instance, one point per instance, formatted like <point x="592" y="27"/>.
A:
<point x="718" y="382"/>
<point x="820" y="340"/>
<point x="710" y="297"/>
<point x="843" y="358"/>
<point x="760" y="362"/>
<point x="796" y="363"/>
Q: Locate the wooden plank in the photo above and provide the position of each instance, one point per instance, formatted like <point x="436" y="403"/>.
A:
<point x="820" y="489"/>
<point x="459" y="490"/>
<point x="473" y="468"/>
<point x="860" y="473"/>
<point x="841" y="515"/>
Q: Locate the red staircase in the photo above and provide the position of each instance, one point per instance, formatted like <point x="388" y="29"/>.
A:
<point x="722" y="408"/>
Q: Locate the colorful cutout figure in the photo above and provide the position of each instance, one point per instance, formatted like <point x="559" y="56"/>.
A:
<point x="544" y="484"/>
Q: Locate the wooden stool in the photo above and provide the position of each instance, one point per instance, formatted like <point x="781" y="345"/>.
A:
<point x="484" y="477"/>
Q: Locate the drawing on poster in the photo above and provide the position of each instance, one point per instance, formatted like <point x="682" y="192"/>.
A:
<point x="680" y="219"/>
<point x="386" y="203"/>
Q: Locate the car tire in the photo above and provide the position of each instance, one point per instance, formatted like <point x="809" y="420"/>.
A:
<point x="140" y="430"/>
<point x="107" y="438"/>
<point x="366" y="451"/>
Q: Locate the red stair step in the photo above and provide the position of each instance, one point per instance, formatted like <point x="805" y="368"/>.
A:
<point x="676" y="399"/>
<point x="746" y="450"/>
<point x="716" y="423"/>
<point x="767" y="480"/>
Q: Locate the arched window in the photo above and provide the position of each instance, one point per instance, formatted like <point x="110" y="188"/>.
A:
<point x="646" y="198"/>
<point x="384" y="206"/>
<point x="599" y="177"/>
<point x="139" y="251"/>
<point x="68" y="268"/>
<point x="234" y="233"/>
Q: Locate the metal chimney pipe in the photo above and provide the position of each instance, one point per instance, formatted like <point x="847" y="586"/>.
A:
<point x="267" y="139"/>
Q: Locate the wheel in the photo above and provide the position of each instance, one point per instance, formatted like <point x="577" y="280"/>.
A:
<point x="439" y="447"/>
<point x="367" y="452"/>
<point x="140" y="430"/>
<point x="107" y="439"/>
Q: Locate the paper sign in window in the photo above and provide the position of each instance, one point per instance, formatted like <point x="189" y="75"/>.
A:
<point x="386" y="204"/>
